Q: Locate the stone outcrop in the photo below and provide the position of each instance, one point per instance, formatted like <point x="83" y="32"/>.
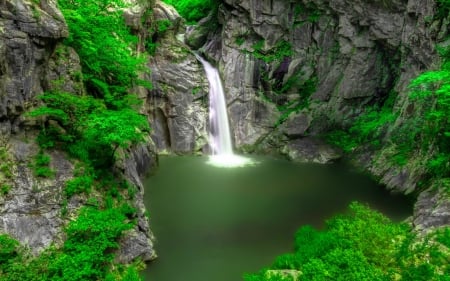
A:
<point x="31" y="210"/>
<point x="432" y="207"/>
<point x="138" y="242"/>
<point x="28" y="34"/>
<point x="177" y="106"/>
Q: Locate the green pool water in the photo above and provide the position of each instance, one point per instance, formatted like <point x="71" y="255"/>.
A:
<point x="215" y="224"/>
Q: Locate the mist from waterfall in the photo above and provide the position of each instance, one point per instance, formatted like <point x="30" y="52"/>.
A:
<point x="219" y="130"/>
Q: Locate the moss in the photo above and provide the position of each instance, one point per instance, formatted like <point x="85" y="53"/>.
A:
<point x="308" y="12"/>
<point x="281" y="50"/>
<point x="305" y="90"/>
<point x="41" y="165"/>
<point x="5" y="188"/>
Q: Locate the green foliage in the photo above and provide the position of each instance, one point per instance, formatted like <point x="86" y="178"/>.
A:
<point x="90" y="128"/>
<point x="5" y="169"/>
<point x="8" y="249"/>
<point x="342" y="139"/>
<point x="79" y="185"/>
<point x="193" y="10"/>
<point x="105" y="45"/>
<point x="120" y="128"/>
<point x="240" y="40"/>
<point x="362" y="245"/>
<point x="5" y="188"/>
<point x="88" y="131"/>
<point x="85" y="255"/>
<point x="309" y="11"/>
<point x="69" y="110"/>
<point x="281" y="50"/>
<point x="369" y="128"/>
<point x="432" y="90"/>
<point x="163" y="25"/>
<point x="40" y="165"/>
<point x="443" y="8"/>
<point x="304" y="91"/>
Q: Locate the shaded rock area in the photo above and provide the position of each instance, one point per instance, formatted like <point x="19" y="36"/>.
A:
<point x="310" y="150"/>
<point x="178" y="105"/>
<point x="138" y="242"/>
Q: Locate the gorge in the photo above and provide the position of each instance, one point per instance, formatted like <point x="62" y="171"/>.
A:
<point x="314" y="81"/>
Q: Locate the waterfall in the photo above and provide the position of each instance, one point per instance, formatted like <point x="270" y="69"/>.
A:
<point x="219" y="132"/>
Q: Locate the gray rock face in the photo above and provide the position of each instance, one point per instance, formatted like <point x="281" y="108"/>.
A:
<point x="432" y="208"/>
<point x="63" y="73"/>
<point x="28" y="34"/>
<point x="353" y="49"/>
<point x="138" y="242"/>
<point x="177" y="107"/>
<point x="353" y="52"/>
<point x="196" y="35"/>
<point x="31" y="211"/>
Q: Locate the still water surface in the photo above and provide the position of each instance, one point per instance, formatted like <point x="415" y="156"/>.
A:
<point x="219" y="223"/>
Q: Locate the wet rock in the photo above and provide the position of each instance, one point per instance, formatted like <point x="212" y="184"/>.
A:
<point x="311" y="150"/>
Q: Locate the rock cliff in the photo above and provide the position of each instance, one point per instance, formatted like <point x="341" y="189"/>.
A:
<point x="177" y="106"/>
<point x="294" y="70"/>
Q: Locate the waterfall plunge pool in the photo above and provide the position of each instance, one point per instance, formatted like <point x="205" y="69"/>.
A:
<point x="217" y="224"/>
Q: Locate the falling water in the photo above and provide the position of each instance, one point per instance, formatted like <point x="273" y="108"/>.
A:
<point x="219" y="136"/>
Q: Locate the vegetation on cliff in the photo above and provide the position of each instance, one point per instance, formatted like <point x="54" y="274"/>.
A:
<point x="90" y="128"/>
<point x="361" y="245"/>
<point x="193" y="10"/>
<point x="425" y="135"/>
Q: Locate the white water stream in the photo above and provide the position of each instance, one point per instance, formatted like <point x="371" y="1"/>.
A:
<point x="219" y="132"/>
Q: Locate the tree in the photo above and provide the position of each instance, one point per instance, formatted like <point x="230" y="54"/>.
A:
<point x="114" y="129"/>
<point x="105" y="45"/>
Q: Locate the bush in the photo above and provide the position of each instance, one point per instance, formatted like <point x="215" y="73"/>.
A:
<point x="40" y="165"/>
<point x="90" y="239"/>
<point x="363" y="245"/>
<point x="110" y="67"/>
<point x="8" y="249"/>
<point x="79" y="185"/>
<point x="193" y="10"/>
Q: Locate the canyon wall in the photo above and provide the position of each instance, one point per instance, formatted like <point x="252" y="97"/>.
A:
<point x="296" y="70"/>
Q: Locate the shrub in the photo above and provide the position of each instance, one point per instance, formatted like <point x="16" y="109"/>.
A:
<point x="193" y="10"/>
<point x="363" y="245"/>
<point x="40" y="165"/>
<point x="78" y="185"/>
